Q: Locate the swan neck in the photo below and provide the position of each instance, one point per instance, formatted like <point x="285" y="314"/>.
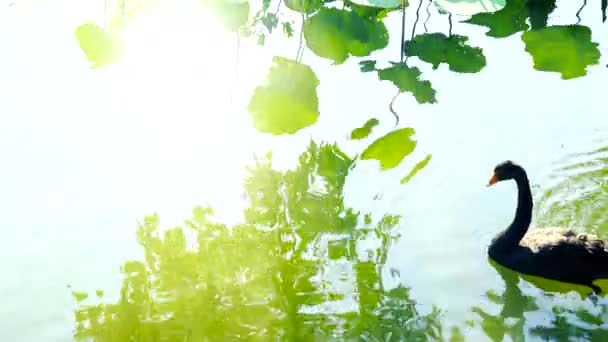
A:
<point x="523" y="213"/>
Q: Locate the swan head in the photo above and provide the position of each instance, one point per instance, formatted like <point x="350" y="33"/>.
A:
<point x="505" y="171"/>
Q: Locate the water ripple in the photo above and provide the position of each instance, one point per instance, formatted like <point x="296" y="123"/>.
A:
<point x="576" y="194"/>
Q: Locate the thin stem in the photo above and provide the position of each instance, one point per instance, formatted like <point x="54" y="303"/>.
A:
<point x="450" y="22"/>
<point x="415" y="24"/>
<point x="300" y="53"/>
<point x="402" y="29"/>
<point x="578" y="13"/>
<point x="278" y="7"/>
<point x="392" y="109"/>
<point x="428" y="17"/>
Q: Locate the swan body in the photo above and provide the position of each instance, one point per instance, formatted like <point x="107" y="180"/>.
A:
<point x="553" y="253"/>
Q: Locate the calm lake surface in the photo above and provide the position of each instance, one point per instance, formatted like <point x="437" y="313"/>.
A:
<point x="88" y="153"/>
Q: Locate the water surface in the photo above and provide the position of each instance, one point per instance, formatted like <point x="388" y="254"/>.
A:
<point x="88" y="153"/>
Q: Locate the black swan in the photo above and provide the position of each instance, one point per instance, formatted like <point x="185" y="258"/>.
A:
<point x="552" y="253"/>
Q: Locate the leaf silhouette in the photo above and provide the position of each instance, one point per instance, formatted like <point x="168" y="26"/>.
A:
<point x="378" y="3"/>
<point x="392" y="148"/>
<point x="419" y="166"/>
<point x="514" y="17"/>
<point x="367" y="66"/>
<point x="408" y="79"/>
<point x="304" y="6"/>
<point x="336" y="34"/>
<point x="564" y="49"/>
<point x="100" y="47"/>
<point x="362" y="132"/>
<point x="289" y="102"/>
<point x="469" y="7"/>
<point x="437" y="48"/>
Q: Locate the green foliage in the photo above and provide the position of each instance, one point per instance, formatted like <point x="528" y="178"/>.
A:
<point x="514" y="16"/>
<point x="270" y="21"/>
<point x="376" y="13"/>
<point x="304" y="6"/>
<point x="289" y="102"/>
<point x="265" y="279"/>
<point x="378" y="3"/>
<point x="407" y="78"/>
<point x="437" y="48"/>
<point x="564" y="49"/>
<point x="367" y="66"/>
<point x="509" y="20"/>
<point x="419" y="166"/>
<point x="392" y="148"/>
<point x="469" y="7"/>
<point x="287" y="29"/>
<point x="363" y="132"/>
<point x="100" y="47"/>
<point x="79" y="296"/>
<point x="335" y="34"/>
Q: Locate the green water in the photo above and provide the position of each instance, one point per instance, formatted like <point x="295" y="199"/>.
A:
<point x="132" y="207"/>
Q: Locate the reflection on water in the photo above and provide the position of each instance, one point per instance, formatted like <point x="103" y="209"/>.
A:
<point x="301" y="267"/>
<point x="578" y="320"/>
<point x="578" y="194"/>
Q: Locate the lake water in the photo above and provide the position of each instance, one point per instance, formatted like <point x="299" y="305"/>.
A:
<point x="86" y="154"/>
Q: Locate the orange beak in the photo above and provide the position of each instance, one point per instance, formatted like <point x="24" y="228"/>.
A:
<point x="492" y="180"/>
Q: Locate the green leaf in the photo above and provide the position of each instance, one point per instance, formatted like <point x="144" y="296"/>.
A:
<point x="287" y="29"/>
<point x="391" y="148"/>
<point x="304" y="6"/>
<point x="270" y="21"/>
<point x="437" y="48"/>
<point x="99" y="293"/>
<point x="421" y="165"/>
<point x="564" y="49"/>
<point x="79" y="296"/>
<point x="367" y="66"/>
<point x="469" y="7"/>
<point x="378" y="3"/>
<point x="335" y="34"/>
<point x="408" y="79"/>
<point x="289" y="102"/>
<point x="362" y="132"/>
<point x="365" y="11"/>
<point x="100" y="47"/>
<point x="509" y="20"/>
<point x="514" y="17"/>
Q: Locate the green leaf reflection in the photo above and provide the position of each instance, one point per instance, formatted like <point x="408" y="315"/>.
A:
<point x="437" y="48"/>
<point x="564" y="49"/>
<point x="363" y="132"/>
<point x="407" y="78"/>
<point x="577" y="195"/>
<point x="391" y="148"/>
<point x="417" y="168"/>
<point x="335" y="34"/>
<point x="99" y="46"/>
<point x="514" y="17"/>
<point x="289" y="102"/>
<point x="286" y="273"/>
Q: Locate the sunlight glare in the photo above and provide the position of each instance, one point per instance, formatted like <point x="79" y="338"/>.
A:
<point x="172" y="95"/>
